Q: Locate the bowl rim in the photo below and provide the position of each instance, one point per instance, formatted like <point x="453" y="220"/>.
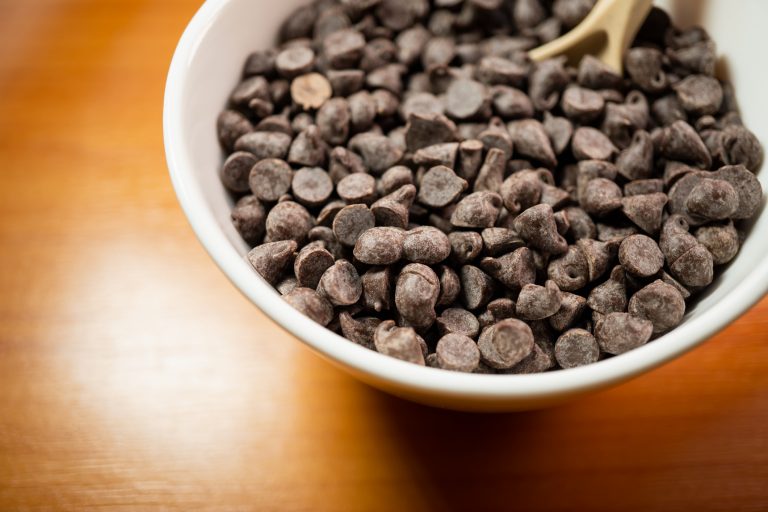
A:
<point x="397" y="373"/>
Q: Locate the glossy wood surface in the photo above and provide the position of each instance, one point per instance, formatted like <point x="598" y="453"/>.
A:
<point x="133" y="376"/>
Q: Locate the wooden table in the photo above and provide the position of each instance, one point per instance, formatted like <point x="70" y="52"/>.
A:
<point x="133" y="376"/>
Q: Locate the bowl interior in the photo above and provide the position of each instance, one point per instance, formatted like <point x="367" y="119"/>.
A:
<point x="206" y="67"/>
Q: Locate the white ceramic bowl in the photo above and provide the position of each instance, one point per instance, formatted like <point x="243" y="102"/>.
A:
<point x="207" y="65"/>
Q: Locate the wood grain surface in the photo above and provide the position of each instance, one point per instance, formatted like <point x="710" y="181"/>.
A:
<point x="133" y="376"/>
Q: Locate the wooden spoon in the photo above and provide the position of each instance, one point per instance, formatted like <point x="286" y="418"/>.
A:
<point x="606" y="33"/>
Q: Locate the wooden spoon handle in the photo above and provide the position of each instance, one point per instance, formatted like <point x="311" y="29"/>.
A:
<point x="606" y="32"/>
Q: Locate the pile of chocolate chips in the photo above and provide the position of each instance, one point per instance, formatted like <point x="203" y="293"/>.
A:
<point x="408" y="178"/>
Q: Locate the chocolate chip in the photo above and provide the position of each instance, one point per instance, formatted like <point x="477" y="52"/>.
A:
<point x="694" y="267"/>
<point x="379" y="246"/>
<point x="426" y="244"/>
<point x="286" y="285"/>
<point x="547" y="80"/>
<point x="530" y="140"/>
<point x="310" y="303"/>
<point x="357" y="188"/>
<point x="559" y="130"/>
<point x="590" y="144"/>
<point x="301" y="122"/>
<point x="679" y="141"/>
<point x="438" y="51"/>
<point x="235" y="171"/>
<point x="394" y="178"/>
<point x="538" y="302"/>
<point x="491" y="173"/>
<point x="521" y="191"/>
<point x="645" y="210"/>
<point x="668" y="109"/>
<point x="377" y="293"/>
<point x="712" y="200"/>
<point x="350" y="222"/>
<point x="308" y="148"/>
<point x="299" y="23"/>
<point x="581" y="224"/>
<point x="359" y="330"/>
<point x="699" y="94"/>
<point x="571" y="308"/>
<point x="410" y="43"/>
<point x="421" y="103"/>
<point x="327" y="239"/>
<point x="270" y="259"/>
<point x="379" y="153"/>
<point x="570" y="271"/>
<point x="311" y="90"/>
<point x="514" y="270"/>
<point x="440" y="186"/>
<point x="576" y="347"/>
<point x="593" y="73"/>
<point x="497" y="70"/>
<point x="619" y="332"/>
<point x="740" y="146"/>
<point x="333" y="120"/>
<point x="427" y="129"/>
<point x="399" y="342"/>
<point x="499" y="241"/>
<point x="582" y="105"/>
<point x="660" y="303"/>
<point x="721" y="240"/>
<point x="536" y="225"/>
<point x="747" y="187"/>
<point x="437" y="154"/>
<point x="571" y="12"/>
<point x="248" y="90"/>
<point x="477" y="210"/>
<point x="260" y="62"/>
<point x="476" y="287"/>
<point x="450" y="285"/>
<point x="311" y="262"/>
<point x="345" y="82"/>
<point x="466" y="98"/>
<point x="264" y="144"/>
<point x="597" y="254"/>
<point x="506" y="343"/>
<point x="642" y="187"/>
<point x="465" y="245"/>
<point x="601" y="196"/>
<point x="311" y="186"/>
<point x="343" y="163"/>
<point x="230" y="126"/>
<point x="343" y="48"/>
<point x="528" y="13"/>
<point x="387" y="77"/>
<point x="340" y="284"/>
<point x="276" y="123"/>
<point x="399" y="14"/>
<point x="458" y="321"/>
<point x="640" y="255"/>
<point x="288" y="221"/>
<point x="457" y="352"/>
<point x="416" y="293"/>
<point x="248" y="217"/>
<point x="378" y="52"/>
<point x="393" y="209"/>
<point x="611" y="295"/>
<point x="330" y="20"/>
<point x="644" y="66"/>
<point x="636" y="161"/>
<point x="510" y="102"/>
<point x="295" y="61"/>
